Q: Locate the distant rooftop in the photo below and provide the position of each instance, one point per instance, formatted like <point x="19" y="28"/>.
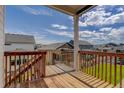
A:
<point x="52" y="46"/>
<point x="19" y="38"/>
<point x="81" y="42"/>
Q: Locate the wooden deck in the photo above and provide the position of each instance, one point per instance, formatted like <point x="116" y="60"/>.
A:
<point x="62" y="76"/>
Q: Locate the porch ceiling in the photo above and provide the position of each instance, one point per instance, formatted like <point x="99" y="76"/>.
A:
<point x="72" y="9"/>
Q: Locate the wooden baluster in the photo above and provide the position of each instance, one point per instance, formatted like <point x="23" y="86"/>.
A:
<point x="38" y="66"/>
<point x="41" y="68"/>
<point x="89" y="64"/>
<point x="121" y="72"/>
<point x="6" y="79"/>
<point x="106" y="69"/>
<point x="83" y="58"/>
<point x="19" y="68"/>
<point x="10" y="71"/>
<point x="44" y="64"/>
<point x="31" y="68"/>
<point x="15" y="71"/>
<point x="115" y="71"/>
<point x="95" y="64"/>
<point x="81" y="61"/>
<point x="84" y="63"/>
<point x="98" y="65"/>
<point x="92" y="63"/>
<point x="27" y="69"/>
<point x="102" y="67"/>
<point x="110" y="69"/>
<point x="35" y="67"/>
<point x="24" y="62"/>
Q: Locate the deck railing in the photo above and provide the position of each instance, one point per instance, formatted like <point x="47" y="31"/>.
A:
<point x="65" y="57"/>
<point x="105" y="66"/>
<point x="22" y="67"/>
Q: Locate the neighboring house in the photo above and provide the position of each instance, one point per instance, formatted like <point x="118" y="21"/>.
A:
<point x="38" y="46"/>
<point x="18" y="42"/>
<point x="54" y="51"/>
<point x="120" y="49"/>
<point x="110" y="47"/>
<point x="83" y="45"/>
<point x="63" y="51"/>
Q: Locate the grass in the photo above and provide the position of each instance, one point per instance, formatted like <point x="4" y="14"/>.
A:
<point x="108" y="72"/>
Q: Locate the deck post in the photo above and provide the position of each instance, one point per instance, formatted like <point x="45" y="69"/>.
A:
<point x="76" y="42"/>
<point x="2" y="46"/>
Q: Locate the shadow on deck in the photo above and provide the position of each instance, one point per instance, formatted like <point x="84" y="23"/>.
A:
<point x="62" y="76"/>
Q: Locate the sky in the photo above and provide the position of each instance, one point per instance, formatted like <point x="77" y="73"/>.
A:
<point x="100" y="25"/>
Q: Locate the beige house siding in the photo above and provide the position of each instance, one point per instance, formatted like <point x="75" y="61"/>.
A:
<point x="1" y="46"/>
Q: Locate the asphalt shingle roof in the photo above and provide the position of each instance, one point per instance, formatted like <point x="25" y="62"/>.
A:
<point x="53" y="46"/>
<point x="18" y="38"/>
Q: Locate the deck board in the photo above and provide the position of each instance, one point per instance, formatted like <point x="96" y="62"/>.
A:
<point x="49" y="71"/>
<point x="56" y="69"/>
<point x="64" y="67"/>
<point x="73" y="81"/>
<point x="90" y="80"/>
<point x="64" y="81"/>
<point x="50" y="83"/>
<point x="62" y="76"/>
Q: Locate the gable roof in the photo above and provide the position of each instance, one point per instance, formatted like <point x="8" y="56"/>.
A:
<point x="53" y="46"/>
<point x="18" y="38"/>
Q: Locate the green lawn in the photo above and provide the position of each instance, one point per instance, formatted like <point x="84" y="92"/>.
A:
<point x="108" y="72"/>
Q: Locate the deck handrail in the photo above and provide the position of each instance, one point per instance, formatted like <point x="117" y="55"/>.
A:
<point x="34" y="66"/>
<point x="102" y="65"/>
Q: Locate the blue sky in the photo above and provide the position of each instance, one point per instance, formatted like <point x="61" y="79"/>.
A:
<point x="102" y="24"/>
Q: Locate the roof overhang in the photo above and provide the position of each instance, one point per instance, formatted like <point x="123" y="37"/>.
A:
<point x="72" y="9"/>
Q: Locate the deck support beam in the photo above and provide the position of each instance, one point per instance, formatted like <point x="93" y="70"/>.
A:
<point x="2" y="46"/>
<point x="76" y="42"/>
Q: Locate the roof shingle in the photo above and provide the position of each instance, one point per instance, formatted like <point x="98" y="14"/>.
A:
<point x="18" y="38"/>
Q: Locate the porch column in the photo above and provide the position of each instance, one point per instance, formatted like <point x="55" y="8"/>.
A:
<point x="76" y="42"/>
<point x="1" y="46"/>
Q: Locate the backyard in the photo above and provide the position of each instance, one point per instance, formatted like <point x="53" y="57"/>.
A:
<point x="102" y="74"/>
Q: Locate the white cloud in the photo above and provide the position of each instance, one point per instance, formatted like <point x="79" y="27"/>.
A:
<point x="59" y="26"/>
<point x="33" y="11"/>
<point x="117" y="33"/>
<point x="112" y="35"/>
<point x="61" y="33"/>
<point x="100" y="16"/>
<point x="117" y="18"/>
<point x="106" y="29"/>
<point x="120" y="9"/>
<point x="94" y="17"/>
